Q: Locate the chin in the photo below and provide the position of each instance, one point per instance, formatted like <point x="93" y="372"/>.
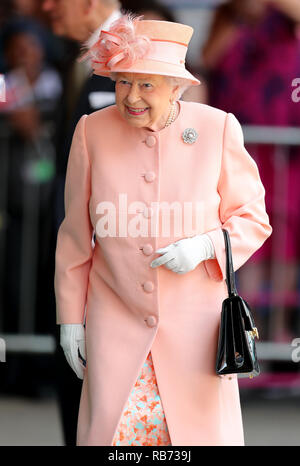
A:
<point x="58" y="29"/>
<point x="136" y="124"/>
<point x="134" y="121"/>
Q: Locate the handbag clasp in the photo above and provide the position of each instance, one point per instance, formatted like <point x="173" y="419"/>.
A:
<point x="254" y="333"/>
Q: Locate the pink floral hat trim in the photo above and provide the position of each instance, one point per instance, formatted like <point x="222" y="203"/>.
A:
<point x="134" y="45"/>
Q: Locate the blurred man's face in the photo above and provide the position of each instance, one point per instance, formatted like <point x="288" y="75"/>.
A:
<point x="67" y="17"/>
<point x="251" y="9"/>
<point x="25" y="7"/>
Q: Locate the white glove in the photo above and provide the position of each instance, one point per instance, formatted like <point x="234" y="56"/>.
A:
<point x="72" y="340"/>
<point x="184" y="255"/>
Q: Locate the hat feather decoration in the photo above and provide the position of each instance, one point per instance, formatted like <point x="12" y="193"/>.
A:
<point x="119" y="43"/>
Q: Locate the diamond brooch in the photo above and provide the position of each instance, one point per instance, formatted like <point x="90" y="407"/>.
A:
<point x="189" y="135"/>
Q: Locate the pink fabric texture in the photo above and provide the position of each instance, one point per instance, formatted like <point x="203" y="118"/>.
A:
<point x="138" y="46"/>
<point x="119" y="43"/>
<point x="131" y="308"/>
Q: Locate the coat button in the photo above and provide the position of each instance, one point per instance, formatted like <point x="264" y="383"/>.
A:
<point x="147" y="249"/>
<point x="148" y="212"/>
<point x="150" y="141"/>
<point x="151" y="321"/>
<point x="150" y="176"/>
<point x="148" y="287"/>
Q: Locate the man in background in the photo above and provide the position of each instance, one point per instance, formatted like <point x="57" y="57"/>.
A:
<point x="81" y="21"/>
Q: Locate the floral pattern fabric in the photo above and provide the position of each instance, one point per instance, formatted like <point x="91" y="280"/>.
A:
<point x="143" y="420"/>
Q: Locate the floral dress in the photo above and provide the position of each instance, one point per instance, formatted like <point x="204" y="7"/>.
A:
<point x="143" y="420"/>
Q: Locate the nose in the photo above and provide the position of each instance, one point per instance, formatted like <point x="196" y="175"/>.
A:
<point x="47" y="5"/>
<point x="133" y="94"/>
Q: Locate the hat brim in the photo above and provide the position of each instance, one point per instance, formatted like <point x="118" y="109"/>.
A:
<point x="151" y="67"/>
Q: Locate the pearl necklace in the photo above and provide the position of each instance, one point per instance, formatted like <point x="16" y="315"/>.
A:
<point x="172" y="115"/>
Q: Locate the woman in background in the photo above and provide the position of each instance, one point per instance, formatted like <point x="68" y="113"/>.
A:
<point x="33" y="89"/>
<point x="252" y="56"/>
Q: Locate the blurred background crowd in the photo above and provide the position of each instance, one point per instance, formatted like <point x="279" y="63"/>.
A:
<point x="246" y="54"/>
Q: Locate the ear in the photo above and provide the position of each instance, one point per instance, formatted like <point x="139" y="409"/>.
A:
<point x="89" y="5"/>
<point x="175" y="91"/>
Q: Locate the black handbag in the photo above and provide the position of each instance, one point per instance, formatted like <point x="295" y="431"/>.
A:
<point x="236" y="352"/>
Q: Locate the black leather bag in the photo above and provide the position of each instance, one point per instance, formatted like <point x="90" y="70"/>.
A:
<point x="236" y="352"/>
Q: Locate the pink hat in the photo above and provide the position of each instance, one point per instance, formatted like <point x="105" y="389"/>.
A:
<point x="148" y="47"/>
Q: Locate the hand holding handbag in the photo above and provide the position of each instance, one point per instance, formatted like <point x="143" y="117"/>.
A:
<point x="236" y="352"/>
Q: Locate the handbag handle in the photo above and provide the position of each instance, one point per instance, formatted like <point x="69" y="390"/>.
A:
<point x="230" y="277"/>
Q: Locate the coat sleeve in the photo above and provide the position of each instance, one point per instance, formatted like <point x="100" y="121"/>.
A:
<point x="242" y="208"/>
<point x="74" y="249"/>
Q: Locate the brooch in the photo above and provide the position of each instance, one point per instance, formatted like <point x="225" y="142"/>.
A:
<point x="189" y="135"/>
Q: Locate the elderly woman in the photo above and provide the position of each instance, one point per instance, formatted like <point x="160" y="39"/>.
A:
<point x="140" y="258"/>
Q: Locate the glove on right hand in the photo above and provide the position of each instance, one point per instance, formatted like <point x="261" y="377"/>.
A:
<point x="72" y="340"/>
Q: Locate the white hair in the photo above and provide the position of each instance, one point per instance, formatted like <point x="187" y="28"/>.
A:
<point x="183" y="84"/>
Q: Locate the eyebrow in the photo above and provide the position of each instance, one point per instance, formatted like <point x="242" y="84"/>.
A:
<point x="141" y="80"/>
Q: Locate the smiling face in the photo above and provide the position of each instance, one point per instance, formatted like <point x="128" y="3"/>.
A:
<point x="144" y="99"/>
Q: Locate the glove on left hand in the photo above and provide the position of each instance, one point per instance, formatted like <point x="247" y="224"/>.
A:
<point x="184" y="255"/>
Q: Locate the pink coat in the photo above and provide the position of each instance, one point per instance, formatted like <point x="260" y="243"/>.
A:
<point x="132" y="308"/>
